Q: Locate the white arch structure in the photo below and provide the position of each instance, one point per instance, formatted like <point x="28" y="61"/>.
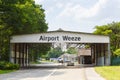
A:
<point x="100" y="45"/>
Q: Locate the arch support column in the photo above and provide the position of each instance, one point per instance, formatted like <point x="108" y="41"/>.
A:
<point x="108" y="58"/>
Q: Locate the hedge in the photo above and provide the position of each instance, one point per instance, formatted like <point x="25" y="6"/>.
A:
<point x="8" y="66"/>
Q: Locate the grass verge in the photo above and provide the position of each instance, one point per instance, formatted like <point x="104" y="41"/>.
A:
<point x="6" y="71"/>
<point x="109" y="72"/>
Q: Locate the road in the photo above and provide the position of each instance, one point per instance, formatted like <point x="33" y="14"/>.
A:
<point x="45" y="74"/>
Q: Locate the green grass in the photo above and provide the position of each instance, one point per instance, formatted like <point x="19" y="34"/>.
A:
<point x="6" y="71"/>
<point x="109" y="72"/>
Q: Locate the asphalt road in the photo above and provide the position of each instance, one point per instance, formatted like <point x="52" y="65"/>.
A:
<point x="45" y="74"/>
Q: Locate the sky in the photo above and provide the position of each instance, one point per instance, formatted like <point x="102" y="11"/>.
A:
<point x="79" y="15"/>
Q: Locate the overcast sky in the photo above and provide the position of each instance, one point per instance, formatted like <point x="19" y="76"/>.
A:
<point x="79" y="15"/>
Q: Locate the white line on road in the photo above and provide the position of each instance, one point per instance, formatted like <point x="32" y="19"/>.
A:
<point x="50" y="74"/>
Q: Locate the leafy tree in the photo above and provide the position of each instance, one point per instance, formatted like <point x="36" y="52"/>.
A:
<point x="23" y="16"/>
<point x="19" y="17"/>
<point x="37" y="50"/>
<point x="117" y="52"/>
<point x="32" y="18"/>
<point x="113" y="30"/>
<point x="55" y="52"/>
<point x="4" y="42"/>
<point x="72" y="50"/>
<point x="102" y="30"/>
<point x="115" y="36"/>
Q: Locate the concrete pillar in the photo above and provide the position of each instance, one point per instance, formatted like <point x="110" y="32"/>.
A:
<point x="20" y="54"/>
<point x="108" y="58"/>
<point x="95" y="54"/>
<point x="100" y="56"/>
<point x="11" y="56"/>
<point x="92" y="54"/>
<point x="27" y="56"/>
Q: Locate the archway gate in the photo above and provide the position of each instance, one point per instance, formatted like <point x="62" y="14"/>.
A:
<point x="100" y="45"/>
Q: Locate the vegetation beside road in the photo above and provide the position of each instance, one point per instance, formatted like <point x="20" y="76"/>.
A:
<point x="109" y="72"/>
<point x="20" y="17"/>
<point x="113" y="31"/>
<point x="8" y="66"/>
<point x="6" y="71"/>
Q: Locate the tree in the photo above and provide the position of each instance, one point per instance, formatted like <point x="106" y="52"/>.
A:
<point x="72" y="50"/>
<point x="4" y="42"/>
<point x="117" y="52"/>
<point x="19" y="17"/>
<point x="55" y="52"/>
<point x="115" y="35"/>
<point x="112" y="30"/>
<point x="102" y="30"/>
<point x="23" y="16"/>
<point x="37" y="50"/>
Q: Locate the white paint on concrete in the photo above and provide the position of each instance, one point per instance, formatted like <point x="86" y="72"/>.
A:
<point x="74" y="37"/>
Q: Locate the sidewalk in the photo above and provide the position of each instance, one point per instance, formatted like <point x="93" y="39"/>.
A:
<point x="91" y="74"/>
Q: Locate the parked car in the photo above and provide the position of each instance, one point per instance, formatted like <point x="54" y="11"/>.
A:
<point x="70" y="64"/>
<point x="60" y="60"/>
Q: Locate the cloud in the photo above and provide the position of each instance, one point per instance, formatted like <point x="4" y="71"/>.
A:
<point x="80" y="15"/>
<point x="59" y="5"/>
<point x="49" y="10"/>
<point x="80" y="12"/>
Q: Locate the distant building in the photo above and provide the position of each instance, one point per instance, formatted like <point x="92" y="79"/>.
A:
<point x="68" y="57"/>
<point x="84" y="56"/>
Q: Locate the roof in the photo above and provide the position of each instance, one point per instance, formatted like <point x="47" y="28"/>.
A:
<point x="84" y="51"/>
<point x="60" y="36"/>
<point x="61" y="30"/>
<point x="68" y="55"/>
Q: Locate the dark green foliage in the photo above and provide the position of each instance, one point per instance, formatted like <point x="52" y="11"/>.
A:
<point x="102" y="30"/>
<point x="117" y="52"/>
<point x="37" y="50"/>
<point x="112" y="30"/>
<point x="8" y="66"/>
<point x="19" y="17"/>
<point x="115" y="35"/>
<point x="23" y="16"/>
<point x="54" y="52"/>
<point x="72" y="50"/>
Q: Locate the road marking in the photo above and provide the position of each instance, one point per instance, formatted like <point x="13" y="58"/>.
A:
<point x="84" y="74"/>
<point x="50" y="74"/>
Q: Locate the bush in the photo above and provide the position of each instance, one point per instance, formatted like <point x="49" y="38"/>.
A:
<point x="8" y="66"/>
<point x="117" y="52"/>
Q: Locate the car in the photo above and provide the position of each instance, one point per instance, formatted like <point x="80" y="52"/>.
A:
<point x="70" y="64"/>
<point x="60" y="60"/>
